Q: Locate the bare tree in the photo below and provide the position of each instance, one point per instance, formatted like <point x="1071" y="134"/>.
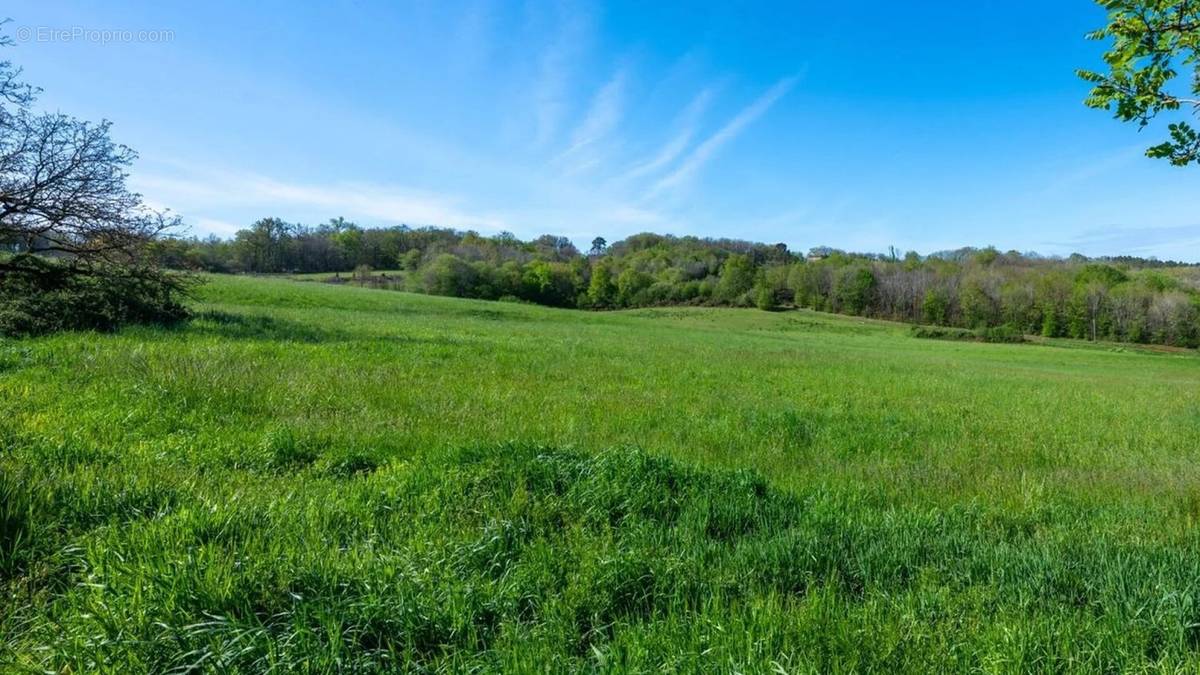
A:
<point x="14" y="94"/>
<point x="63" y="186"/>
<point x="74" y="240"/>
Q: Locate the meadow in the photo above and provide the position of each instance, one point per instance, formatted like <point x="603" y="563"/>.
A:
<point x="319" y="478"/>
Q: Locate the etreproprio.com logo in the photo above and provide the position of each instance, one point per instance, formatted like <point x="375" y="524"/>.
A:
<point x="97" y="35"/>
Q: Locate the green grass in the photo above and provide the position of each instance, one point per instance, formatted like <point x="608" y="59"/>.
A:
<point x="318" y="478"/>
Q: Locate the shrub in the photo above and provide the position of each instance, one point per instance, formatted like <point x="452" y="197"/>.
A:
<point x="40" y="297"/>
<point x="1001" y="334"/>
<point x="449" y="275"/>
<point x="943" y="333"/>
<point x="1005" y="333"/>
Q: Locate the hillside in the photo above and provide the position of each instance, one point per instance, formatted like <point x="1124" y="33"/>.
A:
<point x="314" y="477"/>
<point x="1122" y="299"/>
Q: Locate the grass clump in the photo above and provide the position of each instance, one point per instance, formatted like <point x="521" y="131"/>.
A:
<point x="472" y="558"/>
<point x="523" y="557"/>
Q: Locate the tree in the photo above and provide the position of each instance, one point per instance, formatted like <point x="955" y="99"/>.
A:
<point x="936" y="306"/>
<point x="737" y="277"/>
<point x="261" y="248"/>
<point x="630" y="285"/>
<point x="62" y="189"/>
<point x="449" y="275"/>
<point x="553" y="247"/>
<point x="810" y="284"/>
<point x="764" y="295"/>
<point x="549" y="283"/>
<point x="411" y="260"/>
<point x="855" y="289"/>
<point x="979" y="302"/>
<point x="1126" y="298"/>
<point x="602" y="289"/>
<point x="1151" y="41"/>
<point x="1092" y="300"/>
<point x="71" y="225"/>
<point x="1018" y="304"/>
<point x="598" y="246"/>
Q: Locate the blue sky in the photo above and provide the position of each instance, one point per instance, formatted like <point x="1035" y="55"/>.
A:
<point x="925" y="125"/>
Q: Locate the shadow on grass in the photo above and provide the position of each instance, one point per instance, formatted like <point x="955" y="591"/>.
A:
<point x="261" y="327"/>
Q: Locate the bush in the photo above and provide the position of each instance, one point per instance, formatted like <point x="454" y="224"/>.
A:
<point x="1005" y="333"/>
<point x="39" y="297"/>
<point x="1000" y="334"/>
<point x="449" y="275"/>
<point x="943" y="333"/>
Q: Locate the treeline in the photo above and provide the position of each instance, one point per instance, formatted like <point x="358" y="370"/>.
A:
<point x="1125" y="299"/>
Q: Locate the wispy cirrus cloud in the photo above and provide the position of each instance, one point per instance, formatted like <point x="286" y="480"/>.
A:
<point x="551" y="91"/>
<point x="1093" y="167"/>
<point x="602" y="117"/>
<point x="686" y="124"/>
<point x="571" y="172"/>
<point x="1175" y="243"/>
<point x="694" y="161"/>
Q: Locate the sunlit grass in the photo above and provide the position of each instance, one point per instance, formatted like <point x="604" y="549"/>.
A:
<point x="312" y="478"/>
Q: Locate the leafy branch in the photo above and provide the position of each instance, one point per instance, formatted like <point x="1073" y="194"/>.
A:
<point x="1152" y="41"/>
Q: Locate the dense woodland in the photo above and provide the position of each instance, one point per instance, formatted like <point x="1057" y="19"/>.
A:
<point x="1126" y="299"/>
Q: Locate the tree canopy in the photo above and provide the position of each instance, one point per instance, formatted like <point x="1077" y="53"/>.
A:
<point x="1152" y="69"/>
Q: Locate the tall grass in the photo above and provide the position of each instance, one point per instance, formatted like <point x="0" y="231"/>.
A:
<point x="324" y="479"/>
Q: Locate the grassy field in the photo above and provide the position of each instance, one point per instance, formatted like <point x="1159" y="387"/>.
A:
<point x="316" y="478"/>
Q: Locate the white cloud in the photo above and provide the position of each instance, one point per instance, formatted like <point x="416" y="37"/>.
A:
<point x="386" y="203"/>
<point x="550" y="91"/>
<point x="704" y="152"/>
<point x="499" y="192"/>
<point x="217" y="227"/>
<point x="201" y="195"/>
<point x="1178" y="242"/>
<point x="603" y="115"/>
<point x="674" y="147"/>
<point x="1085" y="170"/>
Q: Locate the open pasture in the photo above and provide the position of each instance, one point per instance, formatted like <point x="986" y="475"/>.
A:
<point x="311" y="477"/>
